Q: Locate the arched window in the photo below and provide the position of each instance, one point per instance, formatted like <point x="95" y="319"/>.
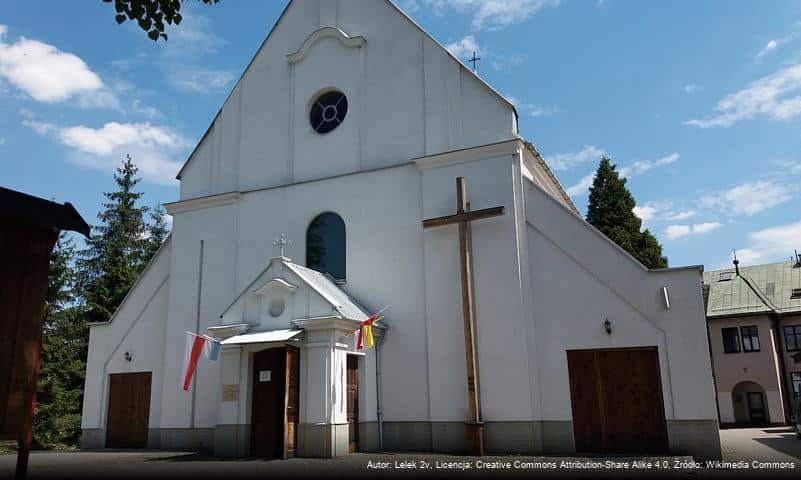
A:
<point x="325" y="245"/>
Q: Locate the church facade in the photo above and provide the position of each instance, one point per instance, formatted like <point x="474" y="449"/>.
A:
<point x="349" y="128"/>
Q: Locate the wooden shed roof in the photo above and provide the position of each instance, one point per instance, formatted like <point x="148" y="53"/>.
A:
<point x="27" y="209"/>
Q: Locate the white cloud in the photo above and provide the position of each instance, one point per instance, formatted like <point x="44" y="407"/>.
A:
<point x="771" y="96"/>
<point x="104" y="140"/>
<point x="152" y="147"/>
<point x="464" y="48"/>
<point x="775" y="43"/>
<point x="539" y="111"/>
<point x="493" y="14"/>
<point x="43" y="71"/>
<point x="769" y="47"/>
<point x="747" y="198"/>
<point x="565" y="161"/>
<point x="581" y="187"/>
<point x="195" y="37"/>
<point x="42" y="128"/>
<point x="747" y="256"/>
<point x="102" y="98"/>
<point x="628" y="171"/>
<point x="504" y="62"/>
<point x="642" y="166"/>
<point x="690" y="88"/>
<point x="679" y="216"/>
<point x="148" y="111"/>
<point x="2" y="141"/>
<point x="673" y="232"/>
<point x="199" y="80"/>
<point x="777" y="242"/>
<point x="769" y="244"/>
<point x="645" y="212"/>
<point x="789" y="166"/>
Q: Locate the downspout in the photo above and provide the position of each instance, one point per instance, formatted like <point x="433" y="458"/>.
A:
<point x="378" y="377"/>
<point x="705" y="297"/>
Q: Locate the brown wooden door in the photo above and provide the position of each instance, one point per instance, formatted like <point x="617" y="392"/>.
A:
<point x="353" y="403"/>
<point x="128" y="410"/>
<point x="616" y="395"/>
<point x="291" y="401"/>
<point x="267" y="419"/>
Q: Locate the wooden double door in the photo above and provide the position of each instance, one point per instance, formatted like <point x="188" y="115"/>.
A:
<point x="274" y="419"/>
<point x="616" y="397"/>
<point x="128" y="410"/>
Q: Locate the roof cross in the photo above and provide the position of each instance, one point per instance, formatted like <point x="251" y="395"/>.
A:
<point x="474" y="60"/>
<point x="280" y="243"/>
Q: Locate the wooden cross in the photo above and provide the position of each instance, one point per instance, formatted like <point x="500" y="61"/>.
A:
<point x="463" y="217"/>
<point x="474" y="60"/>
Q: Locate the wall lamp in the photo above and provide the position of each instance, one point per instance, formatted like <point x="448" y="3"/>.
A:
<point x="608" y="326"/>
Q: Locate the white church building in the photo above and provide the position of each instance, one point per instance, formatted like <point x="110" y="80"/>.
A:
<point x="349" y="128"/>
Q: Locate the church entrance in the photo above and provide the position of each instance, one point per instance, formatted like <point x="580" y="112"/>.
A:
<point x="128" y="410"/>
<point x="274" y="417"/>
<point x="616" y="395"/>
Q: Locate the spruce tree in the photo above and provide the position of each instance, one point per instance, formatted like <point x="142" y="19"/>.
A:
<point x="117" y="252"/>
<point x="157" y="232"/>
<point x="59" y="394"/>
<point x="611" y="210"/>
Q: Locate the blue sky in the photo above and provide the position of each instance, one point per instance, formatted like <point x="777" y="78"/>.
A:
<point x="698" y="103"/>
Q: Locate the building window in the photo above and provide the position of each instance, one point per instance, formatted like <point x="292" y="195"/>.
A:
<point x="795" y="377"/>
<point x="325" y="245"/>
<point x="328" y="111"/>
<point x="796" y="293"/>
<point x="750" y="336"/>
<point x="792" y="338"/>
<point x="731" y="340"/>
<point x="724" y="277"/>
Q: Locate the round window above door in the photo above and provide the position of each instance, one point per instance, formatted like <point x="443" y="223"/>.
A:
<point x="328" y="111"/>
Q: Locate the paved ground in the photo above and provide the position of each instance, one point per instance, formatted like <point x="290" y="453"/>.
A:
<point x="773" y="445"/>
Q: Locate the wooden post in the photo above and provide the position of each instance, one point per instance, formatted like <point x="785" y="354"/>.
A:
<point x="474" y="426"/>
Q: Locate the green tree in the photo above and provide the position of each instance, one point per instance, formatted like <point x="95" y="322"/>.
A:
<point x="157" y="231"/>
<point x="151" y="15"/>
<point x="59" y="394"/>
<point x="611" y="210"/>
<point x="119" y="249"/>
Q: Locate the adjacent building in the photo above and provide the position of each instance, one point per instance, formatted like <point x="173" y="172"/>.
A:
<point x="754" y="320"/>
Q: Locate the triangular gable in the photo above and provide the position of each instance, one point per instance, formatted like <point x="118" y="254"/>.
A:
<point x="340" y="301"/>
<point x="281" y="17"/>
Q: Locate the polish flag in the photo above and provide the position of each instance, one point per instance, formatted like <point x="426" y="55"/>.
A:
<point x="194" y="348"/>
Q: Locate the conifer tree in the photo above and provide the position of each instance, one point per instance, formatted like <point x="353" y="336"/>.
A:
<point x="611" y="210"/>
<point x="157" y="231"/>
<point x="59" y="395"/>
<point x="118" y="251"/>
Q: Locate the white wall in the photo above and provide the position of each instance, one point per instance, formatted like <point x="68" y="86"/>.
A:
<point x="500" y="329"/>
<point x="138" y="328"/>
<point x="407" y="97"/>
<point x="579" y="278"/>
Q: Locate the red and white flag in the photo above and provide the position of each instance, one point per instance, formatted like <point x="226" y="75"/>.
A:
<point x="194" y="349"/>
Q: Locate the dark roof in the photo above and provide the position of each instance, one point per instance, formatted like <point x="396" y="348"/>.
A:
<point x="24" y="208"/>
